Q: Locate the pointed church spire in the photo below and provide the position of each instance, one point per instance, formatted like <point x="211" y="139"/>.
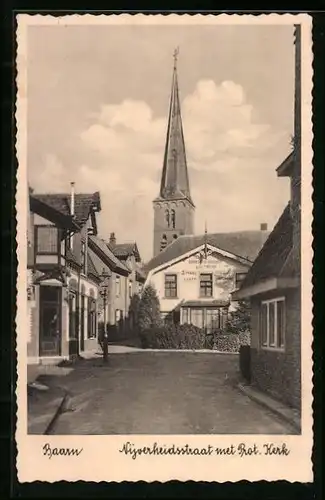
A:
<point x="175" y="181"/>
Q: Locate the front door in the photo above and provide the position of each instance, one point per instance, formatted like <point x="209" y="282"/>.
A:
<point x="73" y="325"/>
<point x="82" y="323"/>
<point x="50" y="321"/>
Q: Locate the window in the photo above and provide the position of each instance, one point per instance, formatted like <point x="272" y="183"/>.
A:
<point x="272" y="323"/>
<point x="47" y="238"/>
<point x="117" y="315"/>
<point x="185" y="316"/>
<point x="163" y="242"/>
<point x="239" y="279"/>
<point x="130" y="289"/>
<point x="171" y="285"/>
<point x="197" y="317"/>
<point x="213" y="320"/>
<point x="83" y="257"/>
<point x="91" y="318"/>
<point x="167" y="218"/>
<point x="206" y="285"/>
<point x="117" y="286"/>
<point x="173" y="217"/>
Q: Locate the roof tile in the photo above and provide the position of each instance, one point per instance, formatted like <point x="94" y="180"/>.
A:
<point x="243" y="244"/>
<point x="61" y="202"/>
<point x="274" y="253"/>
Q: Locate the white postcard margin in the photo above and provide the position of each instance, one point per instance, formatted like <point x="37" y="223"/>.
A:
<point x="101" y="459"/>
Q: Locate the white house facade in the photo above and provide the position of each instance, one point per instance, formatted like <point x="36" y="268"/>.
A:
<point x="196" y="286"/>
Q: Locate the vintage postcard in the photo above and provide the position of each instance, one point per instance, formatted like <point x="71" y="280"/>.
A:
<point x="164" y="230"/>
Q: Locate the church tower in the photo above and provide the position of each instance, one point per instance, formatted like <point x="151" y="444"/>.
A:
<point x="173" y="208"/>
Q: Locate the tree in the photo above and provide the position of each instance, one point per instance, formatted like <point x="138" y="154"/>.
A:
<point x="149" y="309"/>
<point x="134" y="311"/>
<point x="239" y="320"/>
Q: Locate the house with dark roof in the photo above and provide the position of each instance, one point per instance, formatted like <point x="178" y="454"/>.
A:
<point x="121" y="265"/>
<point x="273" y="286"/>
<point x="64" y="280"/>
<point x="194" y="276"/>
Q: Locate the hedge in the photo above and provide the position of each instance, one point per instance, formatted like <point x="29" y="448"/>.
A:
<point x="173" y="337"/>
<point x="231" y="342"/>
<point x="228" y="342"/>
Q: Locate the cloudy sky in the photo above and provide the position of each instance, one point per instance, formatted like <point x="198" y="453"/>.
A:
<point x="98" y="101"/>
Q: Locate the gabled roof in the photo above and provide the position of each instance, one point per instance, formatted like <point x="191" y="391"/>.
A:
<point x="244" y="244"/>
<point x="49" y="211"/>
<point x="125" y="250"/>
<point x="274" y="253"/>
<point x="286" y="167"/>
<point x="84" y="204"/>
<point x="96" y="244"/>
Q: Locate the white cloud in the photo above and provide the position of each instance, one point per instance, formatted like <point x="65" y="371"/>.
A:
<point x="126" y="143"/>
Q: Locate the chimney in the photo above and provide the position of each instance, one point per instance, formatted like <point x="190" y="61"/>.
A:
<point x="72" y="198"/>
<point x="263" y="226"/>
<point x="112" y="240"/>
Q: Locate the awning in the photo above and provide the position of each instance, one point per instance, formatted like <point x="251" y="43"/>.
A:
<point x="205" y="303"/>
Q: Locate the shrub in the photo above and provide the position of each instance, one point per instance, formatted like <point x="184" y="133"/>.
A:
<point x="239" y="320"/>
<point x="245" y="338"/>
<point x="148" y="309"/>
<point x="171" y="336"/>
<point x="226" y="343"/>
<point x="245" y="362"/>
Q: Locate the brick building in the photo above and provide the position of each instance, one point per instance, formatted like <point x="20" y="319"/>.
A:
<point x="273" y="286"/>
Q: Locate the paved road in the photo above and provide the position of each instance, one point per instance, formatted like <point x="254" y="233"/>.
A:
<point x="162" y="393"/>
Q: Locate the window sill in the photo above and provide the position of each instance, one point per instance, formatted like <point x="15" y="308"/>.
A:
<point x="272" y="349"/>
<point x="171" y="298"/>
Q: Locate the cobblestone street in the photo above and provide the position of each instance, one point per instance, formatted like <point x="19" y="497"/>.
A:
<point x="162" y="393"/>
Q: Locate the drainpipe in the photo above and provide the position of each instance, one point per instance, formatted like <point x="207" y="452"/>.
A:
<point x="72" y="208"/>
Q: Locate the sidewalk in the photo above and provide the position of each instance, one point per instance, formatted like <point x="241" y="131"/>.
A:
<point x="43" y="407"/>
<point x="290" y="415"/>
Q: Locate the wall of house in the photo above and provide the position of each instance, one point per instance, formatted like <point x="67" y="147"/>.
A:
<point x="188" y="273"/>
<point x="33" y="324"/>
<point x="90" y="289"/>
<point x="279" y="372"/>
<point x="117" y="301"/>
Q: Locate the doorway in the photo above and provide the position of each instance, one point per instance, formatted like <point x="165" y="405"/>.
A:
<point x="50" y="321"/>
<point x="82" y="323"/>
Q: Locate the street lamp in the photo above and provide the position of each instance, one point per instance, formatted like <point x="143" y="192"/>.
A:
<point x="103" y="293"/>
